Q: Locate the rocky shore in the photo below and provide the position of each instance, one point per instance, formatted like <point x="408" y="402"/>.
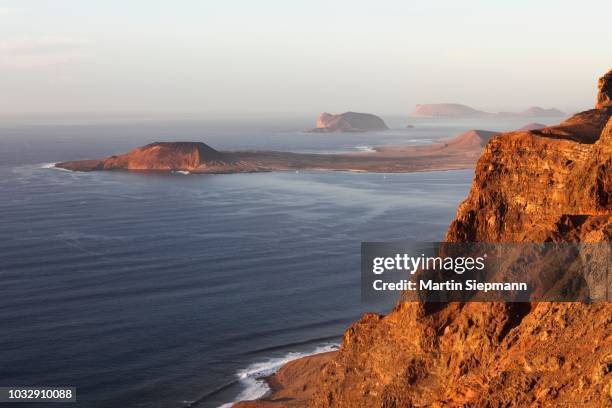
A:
<point x="550" y="184"/>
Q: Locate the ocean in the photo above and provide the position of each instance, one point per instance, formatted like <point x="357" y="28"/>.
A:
<point x="173" y="290"/>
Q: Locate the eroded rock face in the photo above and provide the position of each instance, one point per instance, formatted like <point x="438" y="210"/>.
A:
<point x="349" y="122"/>
<point x="552" y="184"/>
<point x="474" y="354"/>
<point x="604" y="96"/>
<point x="527" y="183"/>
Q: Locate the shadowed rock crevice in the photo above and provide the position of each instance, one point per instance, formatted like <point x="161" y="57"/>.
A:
<point x="516" y="312"/>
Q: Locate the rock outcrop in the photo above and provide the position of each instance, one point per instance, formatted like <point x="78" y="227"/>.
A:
<point x="528" y="184"/>
<point x="552" y="184"/>
<point x="348" y="122"/>
<point x="604" y="95"/>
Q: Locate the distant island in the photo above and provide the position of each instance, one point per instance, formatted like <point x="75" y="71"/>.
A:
<point x="448" y="110"/>
<point x="536" y="111"/>
<point x="467" y="142"/>
<point x="456" y="110"/>
<point x="196" y="157"/>
<point x="348" y="122"/>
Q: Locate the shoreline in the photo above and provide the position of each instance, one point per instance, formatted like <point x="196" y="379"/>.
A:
<point x="54" y="166"/>
<point x="396" y="159"/>
<point x="292" y="384"/>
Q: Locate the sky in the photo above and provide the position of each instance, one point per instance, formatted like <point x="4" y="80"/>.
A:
<point x="299" y="57"/>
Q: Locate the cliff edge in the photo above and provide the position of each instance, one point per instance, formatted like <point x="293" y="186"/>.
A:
<point x="552" y="184"/>
<point x="604" y="95"/>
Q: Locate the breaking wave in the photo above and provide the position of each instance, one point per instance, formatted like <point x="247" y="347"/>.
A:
<point x="252" y="378"/>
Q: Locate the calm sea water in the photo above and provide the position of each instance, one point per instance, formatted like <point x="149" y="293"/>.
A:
<point x="161" y="290"/>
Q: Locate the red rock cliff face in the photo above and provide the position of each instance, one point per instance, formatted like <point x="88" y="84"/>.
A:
<point x="549" y="184"/>
<point x="529" y="185"/>
<point x="604" y="96"/>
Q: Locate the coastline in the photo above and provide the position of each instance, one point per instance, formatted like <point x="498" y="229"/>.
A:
<point x="191" y="157"/>
<point x="339" y="204"/>
<point x="548" y="185"/>
<point x="292" y="385"/>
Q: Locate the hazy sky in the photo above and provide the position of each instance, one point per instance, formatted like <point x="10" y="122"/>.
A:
<point x="299" y="57"/>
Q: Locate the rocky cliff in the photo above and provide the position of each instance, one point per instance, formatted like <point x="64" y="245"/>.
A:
<point x="529" y="184"/>
<point x="552" y="184"/>
<point x="349" y="122"/>
<point x="604" y="95"/>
